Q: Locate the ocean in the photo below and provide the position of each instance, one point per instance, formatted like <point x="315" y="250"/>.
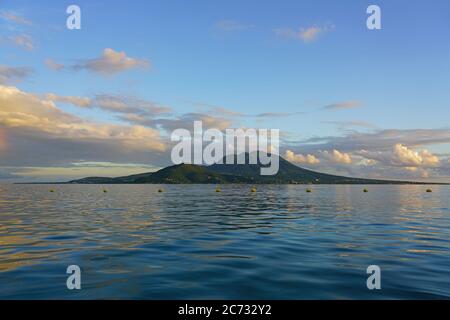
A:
<point x="191" y="242"/>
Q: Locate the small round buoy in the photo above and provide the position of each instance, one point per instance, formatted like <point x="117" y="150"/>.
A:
<point x="160" y="190"/>
<point x="429" y="190"/>
<point x="52" y="190"/>
<point x="309" y="190"/>
<point x="365" y="190"/>
<point x="253" y="189"/>
<point x="105" y="191"/>
<point x="218" y="190"/>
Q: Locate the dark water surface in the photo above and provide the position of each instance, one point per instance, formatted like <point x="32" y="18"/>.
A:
<point x="190" y="242"/>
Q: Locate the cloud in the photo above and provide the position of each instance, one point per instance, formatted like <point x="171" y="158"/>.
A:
<point x="24" y="41"/>
<point x="225" y="112"/>
<point x="111" y="62"/>
<point x="338" y="156"/>
<point x="382" y="153"/>
<point x="402" y="156"/>
<point x="10" y="16"/>
<point x="419" y="172"/>
<point x="146" y="113"/>
<point x="13" y="74"/>
<point x="310" y="34"/>
<point x="53" y="65"/>
<point x="299" y="158"/>
<point x="114" y="104"/>
<point x="76" y="170"/>
<point x="186" y="121"/>
<point x="3" y="140"/>
<point x="380" y="140"/>
<point x="232" y="25"/>
<point x="405" y="156"/>
<point x="415" y="164"/>
<point x="126" y="104"/>
<point x="31" y="123"/>
<point x="76" y="101"/>
<point x="34" y="117"/>
<point x="343" y="105"/>
<point x="305" y="34"/>
<point x="368" y="162"/>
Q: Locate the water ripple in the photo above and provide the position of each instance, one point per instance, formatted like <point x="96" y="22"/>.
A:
<point x="191" y="242"/>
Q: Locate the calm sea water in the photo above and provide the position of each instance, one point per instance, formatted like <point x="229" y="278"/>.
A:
<point x="190" y="242"/>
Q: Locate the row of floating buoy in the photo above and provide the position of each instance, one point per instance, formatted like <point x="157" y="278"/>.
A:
<point x="253" y="190"/>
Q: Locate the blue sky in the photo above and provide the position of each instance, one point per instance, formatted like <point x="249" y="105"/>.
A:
<point x="202" y="55"/>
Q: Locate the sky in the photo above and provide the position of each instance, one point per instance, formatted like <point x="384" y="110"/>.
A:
<point x="103" y="100"/>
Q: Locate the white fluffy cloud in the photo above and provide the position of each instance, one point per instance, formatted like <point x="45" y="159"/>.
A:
<point x="414" y="163"/>
<point x="338" y="156"/>
<point x="404" y="156"/>
<point x="299" y="158"/>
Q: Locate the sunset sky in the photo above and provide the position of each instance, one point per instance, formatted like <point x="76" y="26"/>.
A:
<point x="104" y="100"/>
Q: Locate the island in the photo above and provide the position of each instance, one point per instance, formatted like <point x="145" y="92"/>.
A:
<point x="222" y="173"/>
